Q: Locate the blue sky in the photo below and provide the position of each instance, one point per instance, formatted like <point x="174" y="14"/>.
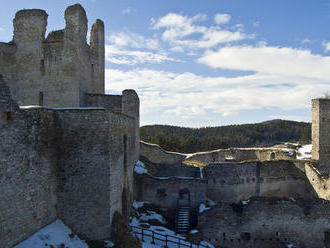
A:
<point x="208" y="63"/>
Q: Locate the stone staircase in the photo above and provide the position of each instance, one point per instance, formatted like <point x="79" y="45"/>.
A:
<point x="182" y="223"/>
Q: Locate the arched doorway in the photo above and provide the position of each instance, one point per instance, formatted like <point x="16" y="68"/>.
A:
<point x="184" y="197"/>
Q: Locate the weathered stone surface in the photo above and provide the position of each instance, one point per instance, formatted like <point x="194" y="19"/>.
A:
<point x="59" y="70"/>
<point x="27" y="174"/>
<point x="155" y="154"/>
<point x="7" y="104"/>
<point x="267" y="223"/>
<point x="75" y="162"/>
<point x="321" y="133"/>
<point x="241" y="154"/>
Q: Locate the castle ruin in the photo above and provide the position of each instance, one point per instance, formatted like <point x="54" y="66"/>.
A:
<point x="265" y="197"/>
<point x="67" y="150"/>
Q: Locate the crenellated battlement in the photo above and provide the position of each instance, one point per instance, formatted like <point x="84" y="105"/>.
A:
<point x="56" y="71"/>
<point x="75" y="143"/>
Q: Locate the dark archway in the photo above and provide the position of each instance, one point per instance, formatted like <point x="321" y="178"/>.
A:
<point x="272" y="156"/>
<point x="184" y="194"/>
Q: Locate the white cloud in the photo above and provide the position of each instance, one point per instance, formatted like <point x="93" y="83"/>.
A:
<point x="128" y="11"/>
<point x="326" y="46"/>
<point x="133" y="40"/>
<point x="306" y="41"/>
<point x="2" y="29"/>
<point x="179" y="29"/>
<point x="129" y="48"/>
<point x="192" y="100"/>
<point x="283" y="61"/>
<point x="221" y="18"/>
<point x="118" y="55"/>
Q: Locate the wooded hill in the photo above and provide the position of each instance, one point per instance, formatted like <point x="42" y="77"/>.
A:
<point x="189" y="140"/>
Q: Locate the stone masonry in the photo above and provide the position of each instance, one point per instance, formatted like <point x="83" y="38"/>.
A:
<point x="71" y="157"/>
<point x="321" y="133"/>
<point x="56" y="71"/>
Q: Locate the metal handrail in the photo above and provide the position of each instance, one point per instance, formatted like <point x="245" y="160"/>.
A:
<point x="179" y="241"/>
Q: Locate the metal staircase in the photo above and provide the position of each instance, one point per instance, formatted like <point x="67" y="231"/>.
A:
<point x="182" y="224"/>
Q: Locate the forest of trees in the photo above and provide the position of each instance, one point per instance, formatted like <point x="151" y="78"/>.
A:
<point x="189" y="140"/>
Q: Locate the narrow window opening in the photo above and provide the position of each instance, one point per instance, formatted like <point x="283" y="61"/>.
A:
<point x="41" y="98"/>
<point x="9" y="116"/>
<point x="92" y="72"/>
<point x="272" y="155"/>
<point x="125" y="153"/>
<point x="42" y="67"/>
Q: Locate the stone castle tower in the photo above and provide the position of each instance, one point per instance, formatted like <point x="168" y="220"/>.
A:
<point x="56" y="71"/>
<point x="71" y="157"/>
<point x="321" y="133"/>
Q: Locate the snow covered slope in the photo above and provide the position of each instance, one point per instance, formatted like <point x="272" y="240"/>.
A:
<point x="56" y="234"/>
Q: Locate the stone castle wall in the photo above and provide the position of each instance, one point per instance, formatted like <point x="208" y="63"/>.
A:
<point x="94" y="168"/>
<point x="157" y="155"/>
<point x="28" y="180"/>
<point x="321" y="133"/>
<point x="73" y="157"/>
<point x="111" y="102"/>
<point x="165" y="192"/>
<point x="267" y="223"/>
<point x="241" y="154"/>
<point x="232" y="182"/>
<point x="72" y="164"/>
<point x="56" y="71"/>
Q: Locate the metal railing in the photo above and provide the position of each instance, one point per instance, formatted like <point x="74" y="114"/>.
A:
<point x="163" y="239"/>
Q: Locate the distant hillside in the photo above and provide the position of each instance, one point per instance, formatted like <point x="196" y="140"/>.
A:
<point x="188" y="140"/>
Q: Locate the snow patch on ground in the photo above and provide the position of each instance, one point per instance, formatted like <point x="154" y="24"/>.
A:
<point x="159" y="233"/>
<point x="203" y="208"/>
<point x="108" y="244"/>
<point x="140" y="168"/>
<point x="305" y="152"/>
<point x="151" y="215"/>
<point x="139" y="204"/>
<point x="55" y="234"/>
<point x="289" y="151"/>
<point x="210" y="203"/>
<point x="201" y="173"/>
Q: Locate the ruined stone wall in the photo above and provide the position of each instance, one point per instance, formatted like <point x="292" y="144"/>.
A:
<point x="241" y="154"/>
<point x="95" y="165"/>
<point x="59" y="70"/>
<point x="155" y="154"/>
<point x="27" y="179"/>
<point x="111" y="102"/>
<point x="267" y="223"/>
<point x="97" y="155"/>
<point x="321" y="133"/>
<point x="320" y="183"/>
<point x="7" y="59"/>
<point x="124" y="155"/>
<point x="84" y="171"/>
<point x="231" y="182"/>
<point x="165" y="192"/>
